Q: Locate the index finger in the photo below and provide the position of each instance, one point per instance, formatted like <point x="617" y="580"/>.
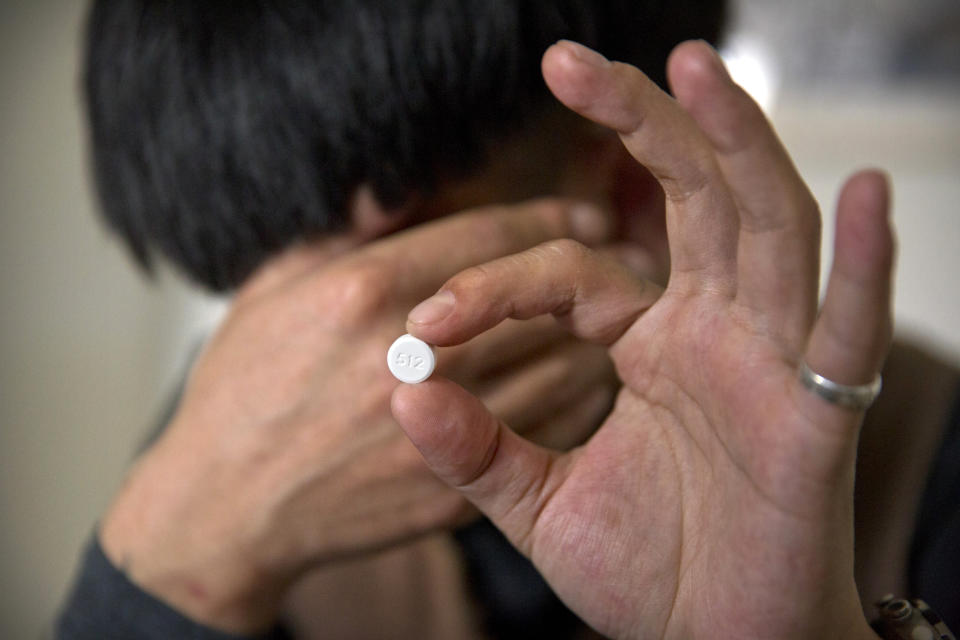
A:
<point x="597" y="299"/>
<point x="423" y="257"/>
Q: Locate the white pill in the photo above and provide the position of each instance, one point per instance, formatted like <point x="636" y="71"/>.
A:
<point x="411" y="359"/>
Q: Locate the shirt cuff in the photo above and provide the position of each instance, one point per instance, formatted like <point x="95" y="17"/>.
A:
<point x="104" y="604"/>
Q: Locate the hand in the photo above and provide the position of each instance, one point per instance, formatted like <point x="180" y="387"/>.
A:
<point x="283" y="454"/>
<point x="716" y="499"/>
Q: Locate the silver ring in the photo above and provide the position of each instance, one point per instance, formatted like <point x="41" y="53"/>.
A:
<point x="849" y="396"/>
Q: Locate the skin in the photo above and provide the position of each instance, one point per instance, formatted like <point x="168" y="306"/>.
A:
<point x="716" y="500"/>
<point x="414" y="590"/>
<point x="266" y="472"/>
<point x="229" y="523"/>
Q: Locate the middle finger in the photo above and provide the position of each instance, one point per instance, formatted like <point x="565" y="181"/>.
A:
<point x="701" y="215"/>
<point x="779" y="219"/>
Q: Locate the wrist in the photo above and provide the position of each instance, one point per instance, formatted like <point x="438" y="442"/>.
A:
<point x="868" y="634"/>
<point x="857" y="627"/>
<point x="177" y="553"/>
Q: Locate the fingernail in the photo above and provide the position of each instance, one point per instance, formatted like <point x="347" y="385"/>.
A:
<point x="589" y="224"/>
<point x="432" y="309"/>
<point x="585" y="54"/>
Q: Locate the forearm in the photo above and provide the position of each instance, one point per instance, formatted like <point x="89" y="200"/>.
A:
<point x="186" y="564"/>
<point x="417" y="590"/>
<point x="186" y="554"/>
<point x="104" y="603"/>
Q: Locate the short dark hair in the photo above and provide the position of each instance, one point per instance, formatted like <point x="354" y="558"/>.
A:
<point x="221" y="132"/>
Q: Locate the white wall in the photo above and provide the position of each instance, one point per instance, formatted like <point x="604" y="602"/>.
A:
<point x="88" y="349"/>
<point x="913" y="132"/>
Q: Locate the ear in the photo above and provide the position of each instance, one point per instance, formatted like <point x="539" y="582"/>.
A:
<point x="635" y="193"/>
<point x="370" y="220"/>
<point x="639" y="206"/>
<point x="592" y="161"/>
<point x="601" y="170"/>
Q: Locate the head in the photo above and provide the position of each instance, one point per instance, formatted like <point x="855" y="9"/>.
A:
<point x="222" y="133"/>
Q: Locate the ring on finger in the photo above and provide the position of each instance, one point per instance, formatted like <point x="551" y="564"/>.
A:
<point x="857" y="396"/>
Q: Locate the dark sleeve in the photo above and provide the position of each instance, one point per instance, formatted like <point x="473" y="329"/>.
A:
<point x="515" y="602"/>
<point x="935" y="552"/>
<point x="105" y="605"/>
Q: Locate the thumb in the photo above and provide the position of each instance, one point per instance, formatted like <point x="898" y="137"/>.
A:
<point x="508" y="478"/>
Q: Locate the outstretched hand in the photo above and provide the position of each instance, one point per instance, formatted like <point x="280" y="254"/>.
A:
<point x="716" y="499"/>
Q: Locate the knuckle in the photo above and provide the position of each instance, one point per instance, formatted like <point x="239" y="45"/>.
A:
<point x="553" y="211"/>
<point x="496" y="227"/>
<point x="690" y="180"/>
<point x="353" y="295"/>
<point x="471" y="279"/>
<point x="519" y="227"/>
<point x="564" y="249"/>
<point x="550" y="218"/>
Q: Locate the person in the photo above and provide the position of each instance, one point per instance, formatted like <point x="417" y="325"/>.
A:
<point x="716" y="500"/>
<point x="278" y="149"/>
<point x="281" y="150"/>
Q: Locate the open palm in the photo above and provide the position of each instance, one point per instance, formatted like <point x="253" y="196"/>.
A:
<point x="716" y="499"/>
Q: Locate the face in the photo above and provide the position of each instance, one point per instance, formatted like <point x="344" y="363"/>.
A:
<point x="567" y="157"/>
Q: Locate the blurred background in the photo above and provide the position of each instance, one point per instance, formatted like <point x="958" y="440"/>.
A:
<point x="90" y="350"/>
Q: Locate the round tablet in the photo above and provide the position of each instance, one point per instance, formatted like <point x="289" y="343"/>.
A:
<point x="411" y="359"/>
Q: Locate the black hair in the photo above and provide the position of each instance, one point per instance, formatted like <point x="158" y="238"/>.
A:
<point x="221" y="132"/>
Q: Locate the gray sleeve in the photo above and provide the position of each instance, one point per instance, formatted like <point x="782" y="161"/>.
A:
<point x="105" y="605"/>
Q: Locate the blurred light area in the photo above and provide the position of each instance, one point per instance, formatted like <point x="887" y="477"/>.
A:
<point x="838" y="44"/>
<point x="751" y="67"/>
<point x="850" y="84"/>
